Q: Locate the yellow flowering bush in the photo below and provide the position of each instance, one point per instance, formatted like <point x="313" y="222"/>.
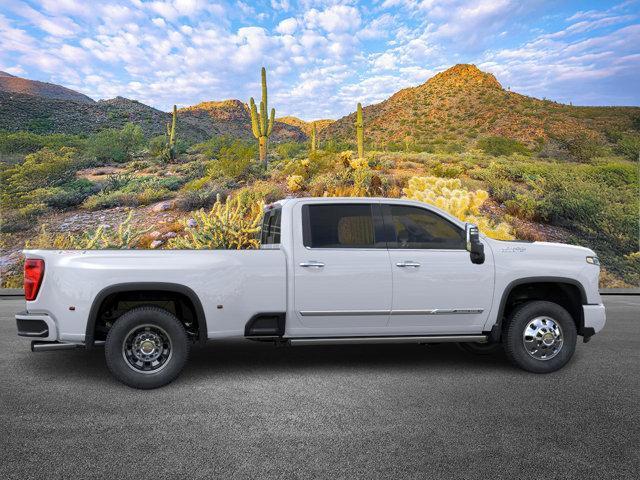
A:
<point x="295" y="183"/>
<point x="448" y="194"/>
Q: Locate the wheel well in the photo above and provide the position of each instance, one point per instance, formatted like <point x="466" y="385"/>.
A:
<point x="567" y="295"/>
<point x="112" y="303"/>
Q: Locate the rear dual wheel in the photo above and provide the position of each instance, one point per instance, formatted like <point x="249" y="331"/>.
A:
<point x="147" y="347"/>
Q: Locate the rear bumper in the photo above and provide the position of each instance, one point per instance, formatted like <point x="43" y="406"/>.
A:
<point x="594" y="318"/>
<point x="37" y="326"/>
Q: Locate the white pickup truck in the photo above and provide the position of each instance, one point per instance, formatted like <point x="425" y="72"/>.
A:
<point x="329" y="270"/>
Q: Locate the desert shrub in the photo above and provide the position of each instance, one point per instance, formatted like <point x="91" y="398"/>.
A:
<point x="104" y="200"/>
<point x="581" y="146"/>
<point x="629" y="146"/>
<point x="45" y="168"/>
<point x="234" y="160"/>
<point x="68" y="195"/>
<point x="523" y="206"/>
<point x="189" y="200"/>
<point x="116" y="145"/>
<point x="295" y="183"/>
<point x="157" y="145"/>
<point x="211" y="148"/>
<point x="289" y="150"/>
<point x="447" y="170"/>
<point x="27" y="142"/>
<point x="228" y="225"/>
<point x="498" y="146"/>
<point x="126" y="198"/>
<point x="260" y="192"/>
<point x="449" y="195"/>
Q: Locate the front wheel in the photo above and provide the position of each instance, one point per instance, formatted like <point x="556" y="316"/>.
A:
<point x="147" y="347"/>
<point x="540" y="337"/>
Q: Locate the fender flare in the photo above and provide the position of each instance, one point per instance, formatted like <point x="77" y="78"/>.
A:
<point x="137" y="286"/>
<point x="496" y="330"/>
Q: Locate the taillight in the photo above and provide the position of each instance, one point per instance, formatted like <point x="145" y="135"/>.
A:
<point x="33" y="273"/>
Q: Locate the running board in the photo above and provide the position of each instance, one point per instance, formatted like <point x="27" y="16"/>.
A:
<point x="51" y="346"/>
<point x="377" y="340"/>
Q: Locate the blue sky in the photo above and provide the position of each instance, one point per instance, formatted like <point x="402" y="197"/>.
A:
<point x="322" y="56"/>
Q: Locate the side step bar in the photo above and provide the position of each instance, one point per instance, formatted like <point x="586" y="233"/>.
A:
<point x="377" y="340"/>
<point x="37" y="346"/>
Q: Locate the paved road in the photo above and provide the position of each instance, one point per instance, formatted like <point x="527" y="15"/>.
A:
<point x="246" y="410"/>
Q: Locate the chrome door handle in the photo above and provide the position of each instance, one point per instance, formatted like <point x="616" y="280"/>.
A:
<point x="312" y="264"/>
<point x="408" y="263"/>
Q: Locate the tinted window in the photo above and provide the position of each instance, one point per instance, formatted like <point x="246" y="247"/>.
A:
<point x="270" y="232"/>
<point x="414" y="227"/>
<point x="338" y="226"/>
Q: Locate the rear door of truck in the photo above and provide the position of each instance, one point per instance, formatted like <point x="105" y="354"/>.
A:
<point x="341" y="268"/>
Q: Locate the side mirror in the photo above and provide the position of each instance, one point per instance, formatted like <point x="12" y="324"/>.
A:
<point x="474" y="246"/>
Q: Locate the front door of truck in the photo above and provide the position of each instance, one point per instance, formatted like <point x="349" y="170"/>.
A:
<point x="341" y="269"/>
<point x="436" y="288"/>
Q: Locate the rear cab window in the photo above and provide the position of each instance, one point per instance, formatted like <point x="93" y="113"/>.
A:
<point x="342" y="225"/>
<point x="270" y="230"/>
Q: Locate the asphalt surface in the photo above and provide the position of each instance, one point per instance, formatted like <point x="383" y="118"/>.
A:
<point x="248" y="410"/>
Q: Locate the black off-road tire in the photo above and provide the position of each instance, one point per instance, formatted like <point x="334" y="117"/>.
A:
<point x="514" y="341"/>
<point x="482" y="349"/>
<point x="165" y="326"/>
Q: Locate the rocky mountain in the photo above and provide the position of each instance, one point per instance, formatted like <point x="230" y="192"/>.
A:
<point x="42" y="110"/>
<point x="305" y="126"/>
<point x="464" y="103"/>
<point x="232" y="117"/>
<point x="19" y="111"/>
<point x="16" y="85"/>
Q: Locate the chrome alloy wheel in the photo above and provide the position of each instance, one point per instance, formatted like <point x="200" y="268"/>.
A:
<point x="542" y="338"/>
<point x="146" y="349"/>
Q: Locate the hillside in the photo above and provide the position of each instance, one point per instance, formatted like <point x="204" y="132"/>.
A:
<point x="464" y="103"/>
<point x="15" y="85"/>
<point x="232" y="118"/>
<point x="305" y="126"/>
<point x="21" y="111"/>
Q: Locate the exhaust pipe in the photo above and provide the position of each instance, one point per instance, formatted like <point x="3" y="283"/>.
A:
<point x="48" y="346"/>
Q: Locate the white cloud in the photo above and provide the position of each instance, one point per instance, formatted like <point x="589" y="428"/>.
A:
<point x="287" y="26"/>
<point x="335" y="19"/>
<point x="159" y="22"/>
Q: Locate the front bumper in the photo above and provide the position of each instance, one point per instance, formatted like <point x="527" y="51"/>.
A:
<point x="37" y="326"/>
<point x="594" y="320"/>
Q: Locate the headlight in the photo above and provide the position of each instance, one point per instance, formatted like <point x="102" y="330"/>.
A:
<point x="593" y="260"/>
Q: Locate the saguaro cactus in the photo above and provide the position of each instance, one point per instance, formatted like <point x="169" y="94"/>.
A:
<point x="171" y="135"/>
<point x="360" y="132"/>
<point x="314" y="141"/>
<point x="260" y="124"/>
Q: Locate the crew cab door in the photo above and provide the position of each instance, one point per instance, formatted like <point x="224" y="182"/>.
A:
<point x="436" y="287"/>
<point x="341" y="269"/>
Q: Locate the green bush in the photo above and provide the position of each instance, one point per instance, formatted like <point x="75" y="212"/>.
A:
<point x="498" y="146"/>
<point x="120" y="198"/>
<point x="28" y="142"/>
<point x="582" y="146"/>
<point x="289" y="150"/>
<point x="43" y="169"/>
<point x="629" y="146"/>
<point x="234" y="159"/>
<point x="116" y="145"/>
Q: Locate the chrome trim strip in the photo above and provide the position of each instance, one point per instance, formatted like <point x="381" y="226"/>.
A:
<point x="351" y="313"/>
<point x="439" y="311"/>
<point x="378" y="340"/>
<point x="342" y="313"/>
